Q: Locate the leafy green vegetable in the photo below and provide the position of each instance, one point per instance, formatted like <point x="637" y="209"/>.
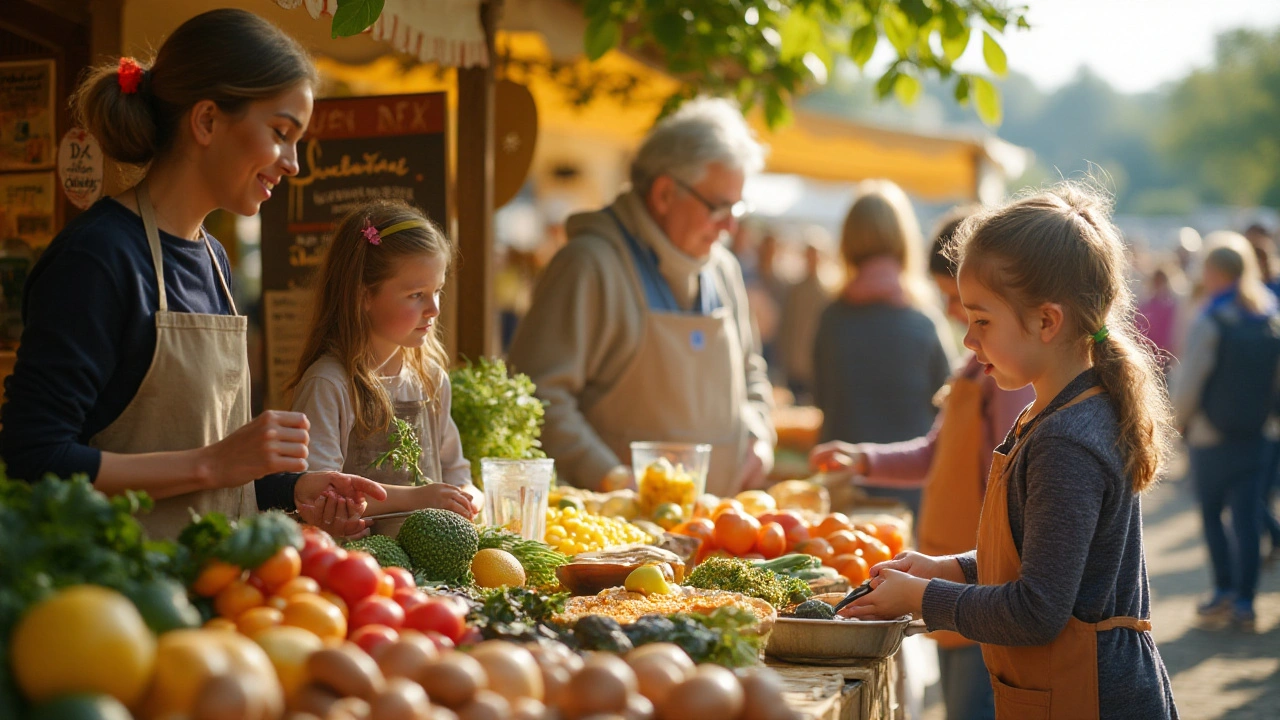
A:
<point x="257" y="538"/>
<point x="726" y="637"/>
<point x="497" y="416"/>
<point x="815" y="610"/>
<point x="601" y="633"/>
<point x="539" y="560"/>
<point x="738" y="575"/>
<point x="517" y="614"/>
<point x="405" y="451"/>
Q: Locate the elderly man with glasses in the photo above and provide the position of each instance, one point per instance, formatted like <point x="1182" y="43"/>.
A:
<point x="639" y="328"/>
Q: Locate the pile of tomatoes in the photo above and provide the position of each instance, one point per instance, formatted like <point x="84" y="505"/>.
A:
<point x="333" y="593"/>
<point x="851" y="549"/>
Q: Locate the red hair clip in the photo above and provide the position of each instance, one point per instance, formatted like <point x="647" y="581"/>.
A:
<point x="371" y="233"/>
<point x="129" y="75"/>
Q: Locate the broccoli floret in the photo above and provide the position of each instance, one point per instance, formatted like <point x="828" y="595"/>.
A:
<point x="742" y="576"/>
<point x="385" y="550"/>
<point x="440" y="543"/>
<point x="815" y="610"/>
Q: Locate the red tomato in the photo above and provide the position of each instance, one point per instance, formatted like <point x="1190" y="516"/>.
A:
<point x="355" y="577"/>
<point x="317" y="564"/>
<point x="377" y="610"/>
<point x="441" y="642"/>
<point x="279" y="569"/>
<point x="409" y="598"/>
<point x="371" y="637"/>
<point x="771" y="541"/>
<point x="437" y="615"/>
<point x="401" y="577"/>
<point x="736" y="532"/>
<point x="386" y="585"/>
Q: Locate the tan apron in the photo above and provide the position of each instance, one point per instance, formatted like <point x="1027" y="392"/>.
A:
<point x="952" y="499"/>
<point x="686" y="383"/>
<point x="195" y="393"/>
<point x="1057" y="681"/>
<point x="361" y="453"/>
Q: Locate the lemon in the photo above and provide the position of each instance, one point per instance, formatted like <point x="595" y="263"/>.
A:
<point x="647" y="579"/>
<point x="668" y="515"/>
<point x="85" y="639"/>
<point x="494" y="568"/>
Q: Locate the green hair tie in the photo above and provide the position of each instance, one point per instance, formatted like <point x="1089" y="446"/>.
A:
<point x="1101" y="335"/>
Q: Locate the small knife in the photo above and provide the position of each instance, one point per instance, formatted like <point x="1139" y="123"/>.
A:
<point x="854" y="594"/>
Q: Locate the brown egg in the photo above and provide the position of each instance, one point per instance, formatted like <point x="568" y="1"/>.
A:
<point x="528" y="709"/>
<point x="512" y="670"/>
<point x="406" y="658"/>
<point x="487" y="705"/>
<point x="348" y="670"/>
<point x="638" y="708"/>
<point x="602" y="686"/>
<point x="762" y="696"/>
<point x="453" y="680"/>
<point x="349" y="708"/>
<point x="656" y="678"/>
<point x="665" y="653"/>
<point x="402" y="700"/>
<point x="712" y="692"/>
<point x="314" y="699"/>
<point x="226" y="697"/>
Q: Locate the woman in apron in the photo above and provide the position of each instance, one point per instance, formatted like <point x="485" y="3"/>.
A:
<point x="951" y="464"/>
<point x="1056" y="591"/>
<point x="133" y="367"/>
<point x="372" y="376"/>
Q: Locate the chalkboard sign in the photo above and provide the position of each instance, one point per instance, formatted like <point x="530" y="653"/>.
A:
<point x="355" y="150"/>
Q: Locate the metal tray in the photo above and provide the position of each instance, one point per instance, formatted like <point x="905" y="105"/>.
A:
<point x="830" y="642"/>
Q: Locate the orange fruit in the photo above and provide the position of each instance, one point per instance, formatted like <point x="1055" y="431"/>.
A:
<point x="842" y="542"/>
<point x="314" y="613"/>
<point x="220" y="623"/>
<point x="298" y="585"/>
<point x="817" y="547"/>
<point x="702" y="528"/>
<point x="852" y="566"/>
<point x="830" y="524"/>
<point x="337" y="601"/>
<point x="727" y="505"/>
<point x="771" y="541"/>
<point x="387" y="585"/>
<point x="892" y="537"/>
<point x="255" y="620"/>
<point x="215" y="576"/>
<point x="873" y="550"/>
<point x="236" y="598"/>
<point x="736" y="532"/>
<point x="279" y="569"/>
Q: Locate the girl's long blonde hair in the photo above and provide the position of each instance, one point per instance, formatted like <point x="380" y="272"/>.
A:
<point x="1231" y="254"/>
<point x="354" y="267"/>
<point x="1059" y="246"/>
<point x="882" y="223"/>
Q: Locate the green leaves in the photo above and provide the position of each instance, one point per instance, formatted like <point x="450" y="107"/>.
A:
<point x="354" y="17"/>
<point x="257" y="538"/>
<point x="497" y="416"/>
<point x="404" y="450"/>
<point x="986" y="98"/>
<point x="907" y="88"/>
<point x="603" y="35"/>
<point x="863" y="44"/>
<point x="994" y="55"/>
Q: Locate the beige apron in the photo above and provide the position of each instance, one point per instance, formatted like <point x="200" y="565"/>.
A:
<point x="195" y="393"/>
<point x="686" y="383"/>
<point x="361" y="453"/>
<point x="1057" y="681"/>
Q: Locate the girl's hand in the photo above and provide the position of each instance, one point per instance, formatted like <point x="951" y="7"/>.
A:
<point x="922" y="566"/>
<point x="273" y="442"/>
<point x="336" y="502"/>
<point x="836" y="456"/>
<point x="447" y="497"/>
<point x="895" y="594"/>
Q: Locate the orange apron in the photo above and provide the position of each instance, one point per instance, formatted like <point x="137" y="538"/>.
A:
<point x="952" y="497"/>
<point x="1058" y="681"/>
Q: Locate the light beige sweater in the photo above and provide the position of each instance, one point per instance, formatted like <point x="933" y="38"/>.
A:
<point x="586" y="324"/>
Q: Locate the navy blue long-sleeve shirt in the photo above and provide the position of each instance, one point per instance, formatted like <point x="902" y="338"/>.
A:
<point x="89" y="335"/>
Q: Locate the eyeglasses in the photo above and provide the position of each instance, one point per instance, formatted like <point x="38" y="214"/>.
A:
<point x="718" y="213"/>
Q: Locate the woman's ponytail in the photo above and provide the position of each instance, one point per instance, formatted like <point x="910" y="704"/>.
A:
<point x="123" y="122"/>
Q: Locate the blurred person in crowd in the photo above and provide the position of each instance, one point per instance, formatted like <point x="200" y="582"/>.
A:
<point x="801" y="312"/>
<point x="1224" y="394"/>
<point x="766" y="293"/>
<point x="1265" y="248"/>
<point x="951" y="464"/>
<point x="639" y="328"/>
<point x="1160" y="311"/>
<point x="879" y="357"/>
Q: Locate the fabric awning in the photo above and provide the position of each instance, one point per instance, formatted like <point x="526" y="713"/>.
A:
<point x="444" y="32"/>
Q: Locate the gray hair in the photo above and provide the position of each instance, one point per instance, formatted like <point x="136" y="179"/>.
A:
<point x="703" y="131"/>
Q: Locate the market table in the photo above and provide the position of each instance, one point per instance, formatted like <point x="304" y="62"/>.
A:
<point x="859" y="690"/>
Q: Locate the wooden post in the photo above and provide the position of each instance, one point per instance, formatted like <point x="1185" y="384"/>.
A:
<point x="476" y="321"/>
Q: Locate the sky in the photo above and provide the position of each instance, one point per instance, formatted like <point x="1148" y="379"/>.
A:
<point x="1135" y="45"/>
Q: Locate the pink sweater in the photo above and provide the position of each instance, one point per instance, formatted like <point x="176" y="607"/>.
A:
<point x="906" y="463"/>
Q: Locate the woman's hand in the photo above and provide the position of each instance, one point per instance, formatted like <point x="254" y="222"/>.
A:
<point x="336" y="502"/>
<point x="273" y="442"/>
<point x="895" y="594"/>
<point x="837" y="455"/>
<point x="922" y="566"/>
<point x="446" y="497"/>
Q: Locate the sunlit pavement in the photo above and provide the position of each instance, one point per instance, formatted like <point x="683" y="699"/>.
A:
<point x="1218" y="672"/>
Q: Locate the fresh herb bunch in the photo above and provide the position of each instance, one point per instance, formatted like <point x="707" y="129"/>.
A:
<point x="728" y="636"/>
<point x="737" y="575"/>
<point x="405" y="451"/>
<point x="538" y="559"/>
<point x="517" y="614"/>
<point x="498" y="416"/>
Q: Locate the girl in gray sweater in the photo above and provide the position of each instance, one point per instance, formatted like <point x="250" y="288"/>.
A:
<point x="1057" y="590"/>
